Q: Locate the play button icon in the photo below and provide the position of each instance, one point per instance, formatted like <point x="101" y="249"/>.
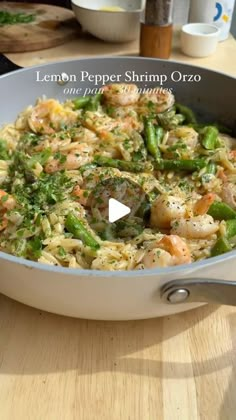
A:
<point x="116" y="210"/>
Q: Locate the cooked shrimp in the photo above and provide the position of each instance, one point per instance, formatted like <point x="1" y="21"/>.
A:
<point x="92" y="177"/>
<point x="165" y="209"/>
<point x="162" y="99"/>
<point x="202" y="206"/>
<point x="232" y="155"/>
<point x="186" y="135"/>
<point x="228" y="194"/>
<point x="65" y="140"/>
<point x="104" y="126"/>
<point x="82" y="195"/>
<point x="170" y="250"/>
<point x="49" y="115"/>
<point x="80" y="156"/>
<point x="155" y="258"/>
<point x="83" y="134"/>
<point x="3" y="222"/>
<point x="120" y="94"/>
<point x="122" y="112"/>
<point x="177" y="247"/>
<point x="55" y="144"/>
<point x="101" y="124"/>
<point x="221" y="174"/>
<point x="7" y="202"/>
<point x="198" y="227"/>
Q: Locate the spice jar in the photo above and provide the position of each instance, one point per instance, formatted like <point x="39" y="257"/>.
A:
<point x="156" y="29"/>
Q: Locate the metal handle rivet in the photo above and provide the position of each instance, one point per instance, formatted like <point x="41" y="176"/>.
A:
<point x="178" y="296"/>
<point x="64" y="78"/>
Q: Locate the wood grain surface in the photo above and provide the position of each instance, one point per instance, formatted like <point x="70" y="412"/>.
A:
<point x="52" y="26"/>
<point x="181" y="367"/>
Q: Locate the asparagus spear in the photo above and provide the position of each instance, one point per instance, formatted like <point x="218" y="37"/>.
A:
<point x="94" y="102"/>
<point x="160" y="164"/>
<point x="123" y="165"/>
<point x="153" y="138"/>
<point x="221" y="246"/>
<point x="209" y="137"/>
<point x="90" y="103"/>
<point x="211" y="168"/>
<point x="221" y="211"/>
<point x="230" y="228"/>
<point x="81" y="102"/>
<point x="180" y="165"/>
<point x="187" y="113"/>
<point x="79" y="231"/>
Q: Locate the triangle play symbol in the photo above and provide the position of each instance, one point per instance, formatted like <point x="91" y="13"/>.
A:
<point x="116" y="210"/>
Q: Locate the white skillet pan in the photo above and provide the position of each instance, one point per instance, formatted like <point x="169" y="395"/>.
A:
<point x="119" y="295"/>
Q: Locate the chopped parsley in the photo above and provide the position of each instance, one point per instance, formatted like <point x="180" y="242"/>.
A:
<point x="59" y="156"/>
<point x="127" y="144"/>
<point x="34" y="195"/>
<point x="9" y="18"/>
<point x="62" y="252"/>
<point x="28" y="140"/>
<point x="4" y="153"/>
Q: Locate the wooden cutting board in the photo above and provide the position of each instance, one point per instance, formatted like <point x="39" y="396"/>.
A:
<point x="52" y="26"/>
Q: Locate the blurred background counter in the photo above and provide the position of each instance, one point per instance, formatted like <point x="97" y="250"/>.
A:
<point x="84" y="44"/>
<point x="88" y="46"/>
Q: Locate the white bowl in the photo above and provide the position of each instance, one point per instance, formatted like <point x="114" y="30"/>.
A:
<point x="199" y="39"/>
<point x="112" y="26"/>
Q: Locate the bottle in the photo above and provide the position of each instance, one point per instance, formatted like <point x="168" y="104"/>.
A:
<point x="223" y="17"/>
<point x="202" y="11"/>
<point x="181" y="12"/>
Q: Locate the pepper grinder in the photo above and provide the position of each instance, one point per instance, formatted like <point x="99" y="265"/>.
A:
<point x="157" y="29"/>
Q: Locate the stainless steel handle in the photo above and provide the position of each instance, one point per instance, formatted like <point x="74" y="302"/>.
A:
<point x="199" y="290"/>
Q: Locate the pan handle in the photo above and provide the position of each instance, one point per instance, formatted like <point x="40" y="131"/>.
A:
<point x="199" y="290"/>
<point x="7" y="65"/>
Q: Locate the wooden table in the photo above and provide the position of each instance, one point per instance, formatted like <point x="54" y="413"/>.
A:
<point x="181" y="367"/>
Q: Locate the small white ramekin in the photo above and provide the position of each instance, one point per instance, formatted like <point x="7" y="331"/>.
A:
<point x="199" y="39"/>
